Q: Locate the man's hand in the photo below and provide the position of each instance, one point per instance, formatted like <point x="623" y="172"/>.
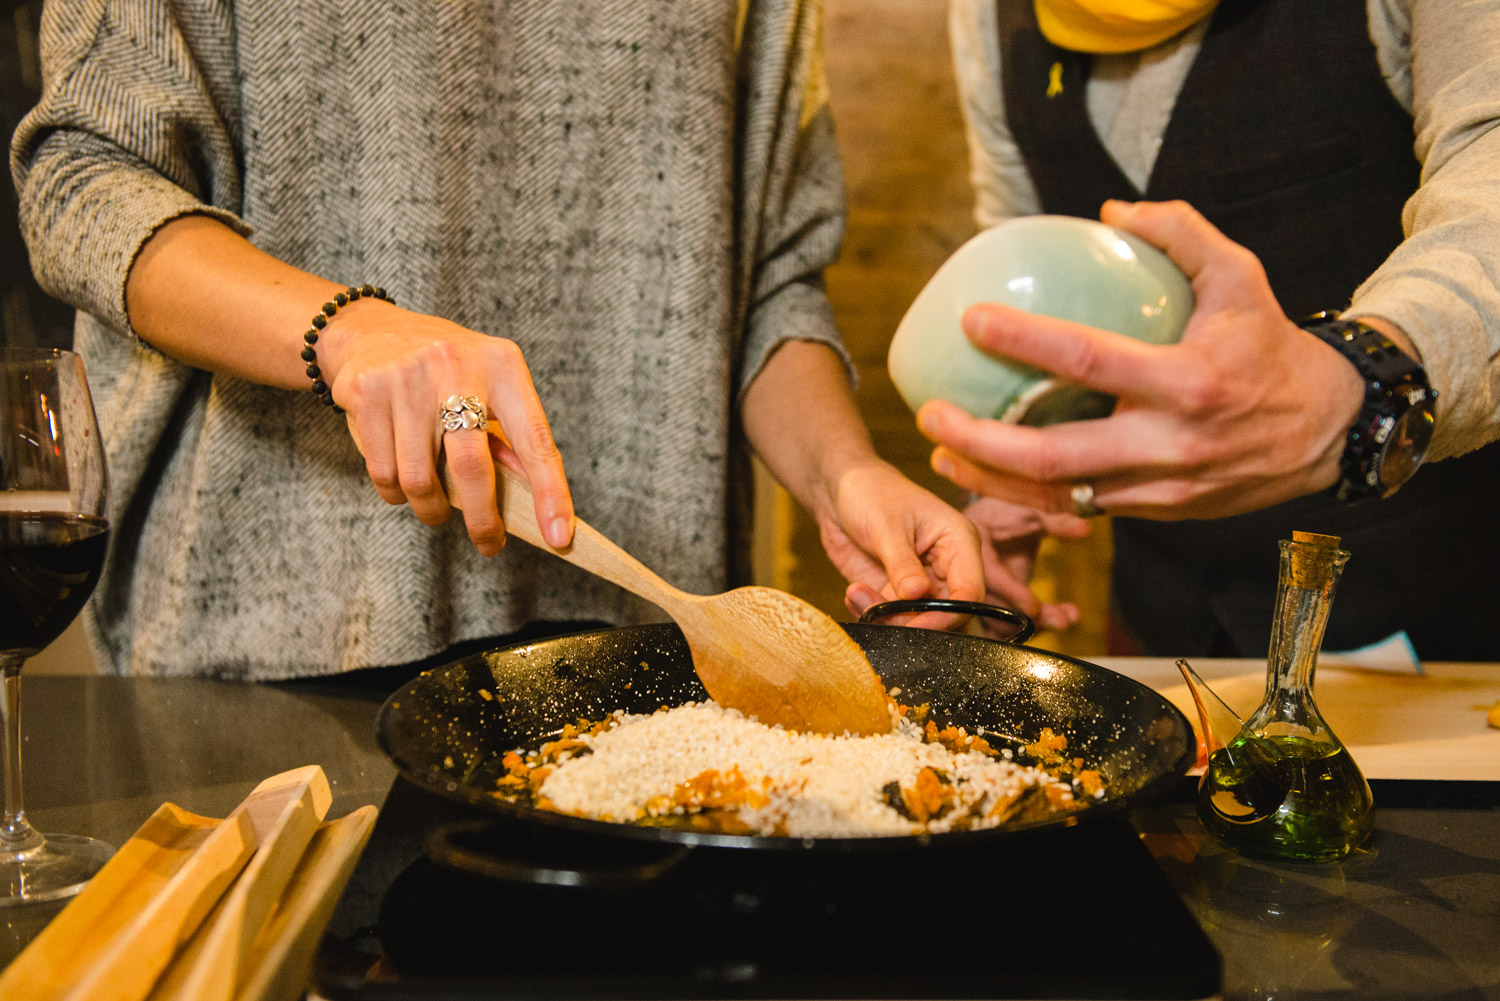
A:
<point x="1247" y="411"/>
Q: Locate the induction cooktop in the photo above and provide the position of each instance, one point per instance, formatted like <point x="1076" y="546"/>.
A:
<point x="1080" y="912"/>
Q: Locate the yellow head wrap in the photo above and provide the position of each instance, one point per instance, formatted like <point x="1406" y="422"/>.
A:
<point x="1112" y="26"/>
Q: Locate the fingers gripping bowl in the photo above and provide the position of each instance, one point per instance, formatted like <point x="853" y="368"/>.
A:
<point x="1059" y="266"/>
<point x="450" y="730"/>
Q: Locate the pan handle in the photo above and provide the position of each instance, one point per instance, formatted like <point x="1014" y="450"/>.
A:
<point x="1024" y="627"/>
<point x="545" y="857"/>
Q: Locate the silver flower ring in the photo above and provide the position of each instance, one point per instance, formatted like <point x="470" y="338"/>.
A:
<point x="463" y="413"/>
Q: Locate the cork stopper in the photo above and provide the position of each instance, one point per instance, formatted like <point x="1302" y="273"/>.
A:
<point x="1314" y="559"/>
<point x="1314" y="539"/>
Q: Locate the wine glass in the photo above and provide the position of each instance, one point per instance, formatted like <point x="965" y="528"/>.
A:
<point x="53" y="532"/>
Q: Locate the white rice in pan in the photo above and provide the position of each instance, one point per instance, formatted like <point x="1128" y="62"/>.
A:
<point x="704" y="762"/>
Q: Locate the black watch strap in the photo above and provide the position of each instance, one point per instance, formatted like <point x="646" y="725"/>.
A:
<point x="1389" y="437"/>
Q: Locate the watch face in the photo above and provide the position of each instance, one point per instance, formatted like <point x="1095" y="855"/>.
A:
<point x="1406" y="447"/>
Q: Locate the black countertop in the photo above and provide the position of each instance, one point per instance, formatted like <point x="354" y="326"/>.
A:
<point x="1417" y="914"/>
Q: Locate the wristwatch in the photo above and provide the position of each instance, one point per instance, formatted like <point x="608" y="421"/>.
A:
<point x="1390" y="436"/>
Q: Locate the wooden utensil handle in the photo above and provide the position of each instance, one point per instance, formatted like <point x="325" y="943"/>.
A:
<point x="590" y="550"/>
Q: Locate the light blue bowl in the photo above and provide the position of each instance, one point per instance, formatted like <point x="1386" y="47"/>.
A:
<point x="1060" y="266"/>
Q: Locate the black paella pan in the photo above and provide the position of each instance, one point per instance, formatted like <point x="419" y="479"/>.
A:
<point x="447" y="730"/>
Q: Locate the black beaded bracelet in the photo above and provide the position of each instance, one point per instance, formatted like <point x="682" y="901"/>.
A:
<point x="319" y="321"/>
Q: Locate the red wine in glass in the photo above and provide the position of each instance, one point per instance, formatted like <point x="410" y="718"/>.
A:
<point x="49" y="564"/>
<point x="54" y="534"/>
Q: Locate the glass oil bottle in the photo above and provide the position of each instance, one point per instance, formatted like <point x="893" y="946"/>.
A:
<point x="1285" y="787"/>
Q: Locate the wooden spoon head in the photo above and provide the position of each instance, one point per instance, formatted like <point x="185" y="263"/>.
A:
<point x="777" y="658"/>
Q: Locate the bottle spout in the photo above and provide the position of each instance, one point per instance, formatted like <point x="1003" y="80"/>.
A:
<point x="1218" y="723"/>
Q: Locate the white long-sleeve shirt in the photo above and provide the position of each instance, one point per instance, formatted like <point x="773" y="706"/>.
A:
<point x="1441" y="60"/>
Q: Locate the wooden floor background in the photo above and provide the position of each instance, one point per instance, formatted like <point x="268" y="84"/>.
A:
<point x="901" y="135"/>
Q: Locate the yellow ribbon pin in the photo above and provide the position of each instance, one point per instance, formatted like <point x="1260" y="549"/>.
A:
<point x="1054" y="80"/>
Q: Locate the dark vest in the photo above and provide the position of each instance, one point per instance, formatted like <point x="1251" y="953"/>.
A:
<point x="1286" y="137"/>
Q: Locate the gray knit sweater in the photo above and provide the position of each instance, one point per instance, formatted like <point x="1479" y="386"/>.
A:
<point x="641" y="193"/>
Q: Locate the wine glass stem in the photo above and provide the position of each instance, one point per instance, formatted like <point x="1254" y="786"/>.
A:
<point x="16" y="835"/>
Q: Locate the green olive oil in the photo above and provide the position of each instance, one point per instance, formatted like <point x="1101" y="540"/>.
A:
<point x="1286" y="798"/>
<point x="1284" y="786"/>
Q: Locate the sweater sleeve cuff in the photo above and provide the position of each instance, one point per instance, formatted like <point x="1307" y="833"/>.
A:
<point x="82" y="251"/>
<point x="798" y="311"/>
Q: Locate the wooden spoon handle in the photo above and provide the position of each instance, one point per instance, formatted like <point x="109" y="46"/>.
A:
<point x="590" y="550"/>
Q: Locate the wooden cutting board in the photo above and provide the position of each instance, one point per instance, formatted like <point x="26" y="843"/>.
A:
<point x="1397" y="726"/>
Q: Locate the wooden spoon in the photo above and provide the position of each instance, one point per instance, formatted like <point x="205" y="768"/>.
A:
<point x="756" y="649"/>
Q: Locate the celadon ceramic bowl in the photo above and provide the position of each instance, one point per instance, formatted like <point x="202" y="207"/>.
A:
<point x="1060" y="266"/>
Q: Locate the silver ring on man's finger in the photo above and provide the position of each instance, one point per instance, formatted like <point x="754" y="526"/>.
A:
<point x="463" y="413"/>
<point x="1084" y="504"/>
